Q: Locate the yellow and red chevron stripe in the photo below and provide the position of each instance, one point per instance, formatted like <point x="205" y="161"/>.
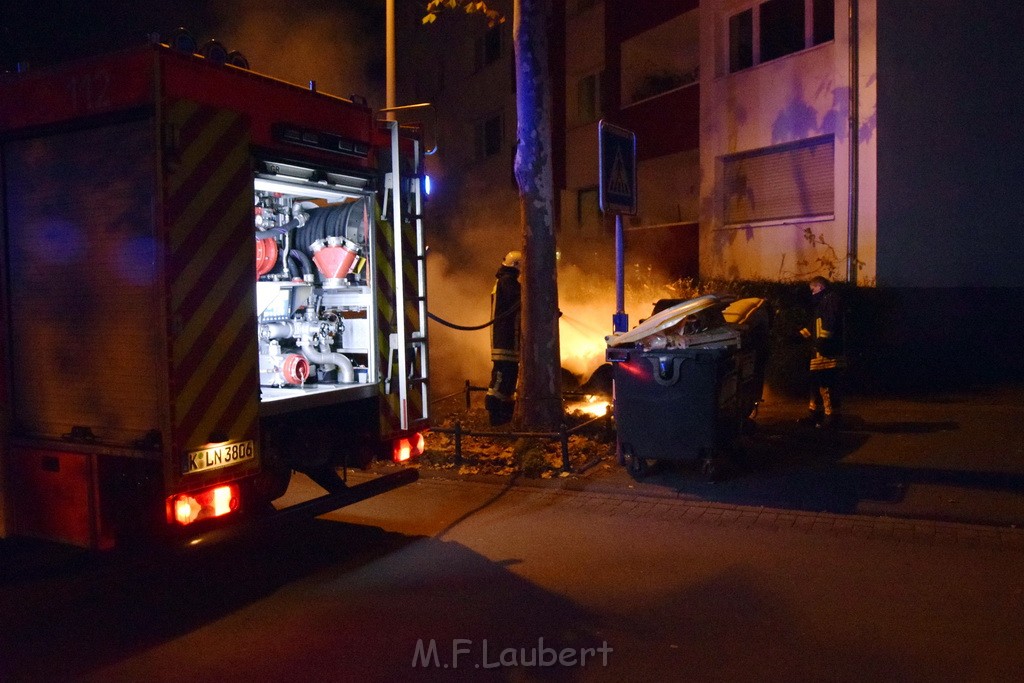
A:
<point x="387" y="322"/>
<point x="412" y="311"/>
<point x="208" y="208"/>
<point x="390" y="401"/>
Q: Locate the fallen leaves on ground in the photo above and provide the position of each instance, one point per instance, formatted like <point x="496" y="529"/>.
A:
<point x="500" y="451"/>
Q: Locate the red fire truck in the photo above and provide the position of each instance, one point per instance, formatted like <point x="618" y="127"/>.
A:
<point x="210" y="279"/>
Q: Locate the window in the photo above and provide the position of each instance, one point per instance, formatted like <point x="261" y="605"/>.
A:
<point x="794" y="180"/>
<point x="782" y="28"/>
<point x="824" y="21"/>
<point x="661" y="59"/>
<point x="488" y="47"/>
<point x="776" y="28"/>
<point x="588" y="98"/>
<point x="741" y="41"/>
<point x="488" y="137"/>
<point x="589" y="218"/>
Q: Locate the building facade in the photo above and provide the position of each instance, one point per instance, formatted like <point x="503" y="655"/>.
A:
<point x="742" y="110"/>
<point x="465" y="69"/>
<point x="871" y="141"/>
<point x="914" y="195"/>
<point x="635" y="64"/>
<point x="912" y="191"/>
<point x="778" y="144"/>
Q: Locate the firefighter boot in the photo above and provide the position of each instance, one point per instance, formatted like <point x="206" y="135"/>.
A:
<point x="812" y="419"/>
<point x="814" y="412"/>
<point x="830" y="419"/>
<point x="500" y="411"/>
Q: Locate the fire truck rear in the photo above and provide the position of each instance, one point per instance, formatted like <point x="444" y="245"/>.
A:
<point x="210" y="279"/>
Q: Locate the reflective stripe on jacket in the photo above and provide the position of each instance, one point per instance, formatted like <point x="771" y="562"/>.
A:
<point x="828" y="331"/>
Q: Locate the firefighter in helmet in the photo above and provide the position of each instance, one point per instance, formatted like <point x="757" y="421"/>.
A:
<point x="828" y="358"/>
<point x="505" y="304"/>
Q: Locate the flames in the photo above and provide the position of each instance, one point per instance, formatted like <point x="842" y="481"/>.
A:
<point x="595" y="406"/>
<point x="582" y="350"/>
<point x="587" y="302"/>
<point x="587" y="305"/>
<point x="581" y="340"/>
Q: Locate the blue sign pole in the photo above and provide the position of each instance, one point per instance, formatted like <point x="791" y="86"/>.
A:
<point x="620" y="321"/>
<point x="617" y="194"/>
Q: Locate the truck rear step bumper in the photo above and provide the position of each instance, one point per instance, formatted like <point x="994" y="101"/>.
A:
<point x="304" y="510"/>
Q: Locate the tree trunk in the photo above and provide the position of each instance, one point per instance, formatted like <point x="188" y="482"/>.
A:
<point x="540" y="398"/>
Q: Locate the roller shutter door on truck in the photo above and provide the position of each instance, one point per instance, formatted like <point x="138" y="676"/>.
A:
<point x="85" y="322"/>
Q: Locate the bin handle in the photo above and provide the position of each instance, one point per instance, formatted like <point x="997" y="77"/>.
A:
<point x="666" y="369"/>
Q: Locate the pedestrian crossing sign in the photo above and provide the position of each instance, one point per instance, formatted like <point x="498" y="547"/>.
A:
<point x="617" y="168"/>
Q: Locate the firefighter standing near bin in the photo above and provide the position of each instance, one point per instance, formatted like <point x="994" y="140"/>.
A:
<point x="505" y="305"/>
<point x="828" y="359"/>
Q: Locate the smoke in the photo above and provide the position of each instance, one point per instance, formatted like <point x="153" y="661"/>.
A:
<point x="467" y="241"/>
<point x="300" y="41"/>
<point x="461" y="270"/>
<point x="587" y="300"/>
<point x="462" y="297"/>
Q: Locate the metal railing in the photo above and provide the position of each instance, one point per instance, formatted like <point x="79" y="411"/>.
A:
<point x="562" y="435"/>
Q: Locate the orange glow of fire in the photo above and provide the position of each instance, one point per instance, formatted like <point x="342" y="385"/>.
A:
<point x="591" y="405"/>
<point x="587" y="304"/>
<point x="582" y="345"/>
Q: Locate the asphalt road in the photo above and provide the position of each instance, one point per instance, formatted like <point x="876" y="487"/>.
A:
<point x="447" y="579"/>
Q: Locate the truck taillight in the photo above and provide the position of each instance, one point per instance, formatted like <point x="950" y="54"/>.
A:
<point x="409" y="447"/>
<point x="186" y="508"/>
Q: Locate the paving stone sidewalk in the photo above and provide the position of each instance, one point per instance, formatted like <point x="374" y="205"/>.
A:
<point x="896" y="463"/>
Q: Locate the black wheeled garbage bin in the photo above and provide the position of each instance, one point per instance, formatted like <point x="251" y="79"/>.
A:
<point x="688" y="403"/>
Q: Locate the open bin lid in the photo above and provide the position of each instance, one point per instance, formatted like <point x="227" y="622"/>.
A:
<point x="665" y="320"/>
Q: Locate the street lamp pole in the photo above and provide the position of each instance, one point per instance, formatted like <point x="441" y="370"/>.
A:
<point x="389" y="60"/>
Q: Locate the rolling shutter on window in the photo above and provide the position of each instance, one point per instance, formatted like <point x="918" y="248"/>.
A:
<point x="788" y="181"/>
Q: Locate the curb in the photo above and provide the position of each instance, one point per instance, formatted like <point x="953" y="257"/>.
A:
<point x="672" y="506"/>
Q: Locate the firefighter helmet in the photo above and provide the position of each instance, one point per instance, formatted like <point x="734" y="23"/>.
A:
<point x="513" y="259"/>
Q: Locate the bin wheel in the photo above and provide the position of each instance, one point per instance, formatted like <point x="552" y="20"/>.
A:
<point x="636" y="465"/>
<point x="711" y="469"/>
